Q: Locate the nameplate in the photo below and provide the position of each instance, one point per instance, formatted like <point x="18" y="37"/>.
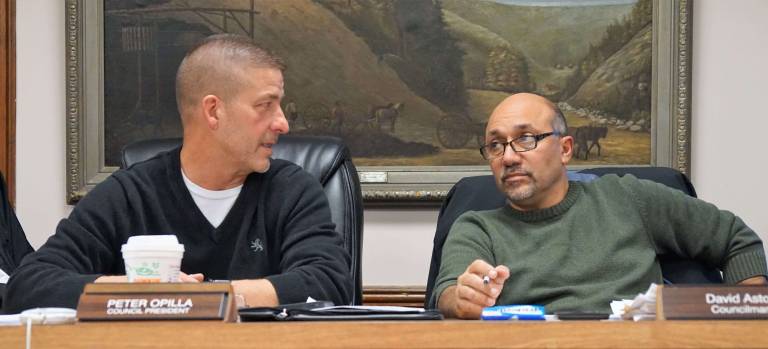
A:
<point x="712" y="302"/>
<point x="157" y="301"/>
<point x="372" y="177"/>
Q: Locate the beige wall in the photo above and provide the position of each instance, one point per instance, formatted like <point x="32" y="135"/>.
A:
<point x="729" y="76"/>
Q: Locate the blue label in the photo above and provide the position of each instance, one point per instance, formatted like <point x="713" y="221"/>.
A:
<point x="513" y="312"/>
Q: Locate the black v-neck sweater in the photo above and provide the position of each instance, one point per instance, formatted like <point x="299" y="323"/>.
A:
<point x="279" y="228"/>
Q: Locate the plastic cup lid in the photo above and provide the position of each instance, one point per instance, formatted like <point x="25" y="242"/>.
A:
<point x="152" y="243"/>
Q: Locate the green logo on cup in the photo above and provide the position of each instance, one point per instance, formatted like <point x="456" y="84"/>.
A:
<point x="147" y="269"/>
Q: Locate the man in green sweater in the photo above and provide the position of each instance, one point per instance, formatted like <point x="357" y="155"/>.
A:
<point x="575" y="245"/>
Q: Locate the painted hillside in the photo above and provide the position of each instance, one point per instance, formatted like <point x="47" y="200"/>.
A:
<point x="328" y="65"/>
<point x="326" y="61"/>
<point x="403" y="82"/>
<point x="525" y="28"/>
<point x="622" y="79"/>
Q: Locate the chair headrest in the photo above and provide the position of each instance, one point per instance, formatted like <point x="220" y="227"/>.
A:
<point x="318" y="155"/>
<point x="144" y="150"/>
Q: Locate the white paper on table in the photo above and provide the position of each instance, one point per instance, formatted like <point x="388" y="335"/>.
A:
<point x="10" y="320"/>
<point x="641" y="308"/>
<point x="393" y="309"/>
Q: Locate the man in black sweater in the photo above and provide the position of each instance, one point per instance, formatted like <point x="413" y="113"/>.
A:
<point x="263" y="223"/>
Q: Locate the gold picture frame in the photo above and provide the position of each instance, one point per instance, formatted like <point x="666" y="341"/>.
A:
<point x="382" y="185"/>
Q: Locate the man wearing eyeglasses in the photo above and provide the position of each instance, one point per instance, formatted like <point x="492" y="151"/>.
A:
<point x="575" y="246"/>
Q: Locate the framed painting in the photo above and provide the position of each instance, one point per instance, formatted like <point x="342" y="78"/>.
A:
<point x="407" y="84"/>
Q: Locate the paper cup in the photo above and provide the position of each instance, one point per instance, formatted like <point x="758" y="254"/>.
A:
<point x="153" y="258"/>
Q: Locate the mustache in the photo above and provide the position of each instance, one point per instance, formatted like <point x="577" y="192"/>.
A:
<point x="272" y="140"/>
<point x="515" y="171"/>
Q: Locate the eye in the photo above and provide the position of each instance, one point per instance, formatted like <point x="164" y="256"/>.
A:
<point x="526" y="141"/>
<point x="495" y="145"/>
<point x="264" y="105"/>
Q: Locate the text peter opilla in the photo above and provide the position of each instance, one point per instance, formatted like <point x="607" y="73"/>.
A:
<point x="139" y="306"/>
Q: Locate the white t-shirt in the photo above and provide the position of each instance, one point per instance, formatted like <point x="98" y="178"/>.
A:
<point x="214" y="204"/>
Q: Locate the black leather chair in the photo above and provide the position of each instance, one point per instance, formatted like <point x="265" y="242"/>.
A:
<point x="480" y="193"/>
<point x="326" y="158"/>
<point x="13" y="242"/>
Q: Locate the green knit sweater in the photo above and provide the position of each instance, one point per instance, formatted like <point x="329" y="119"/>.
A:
<point x="599" y="244"/>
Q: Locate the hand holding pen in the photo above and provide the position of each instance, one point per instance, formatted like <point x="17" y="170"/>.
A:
<point x="478" y="287"/>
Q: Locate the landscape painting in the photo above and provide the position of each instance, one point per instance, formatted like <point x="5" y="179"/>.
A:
<point x="405" y="83"/>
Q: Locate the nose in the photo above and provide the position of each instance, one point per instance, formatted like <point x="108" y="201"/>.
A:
<point x="280" y="125"/>
<point x="510" y="156"/>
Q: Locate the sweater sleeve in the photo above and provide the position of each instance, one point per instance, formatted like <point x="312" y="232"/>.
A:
<point x="685" y="226"/>
<point x="313" y="261"/>
<point x="81" y="250"/>
<point x="466" y="242"/>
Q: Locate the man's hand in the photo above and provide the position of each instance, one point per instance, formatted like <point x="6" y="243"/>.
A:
<point x="256" y="293"/>
<point x="183" y="277"/>
<point x="756" y="280"/>
<point x="471" y="294"/>
<point x="111" y="278"/>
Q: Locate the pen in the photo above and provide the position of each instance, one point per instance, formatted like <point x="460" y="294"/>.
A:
<point x="486" y="279"/>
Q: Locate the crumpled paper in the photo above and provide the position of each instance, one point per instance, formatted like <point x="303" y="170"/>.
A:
<point x="642" y="308"/>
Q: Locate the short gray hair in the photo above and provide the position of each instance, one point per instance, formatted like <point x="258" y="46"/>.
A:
<point x="214" y="66"/>
<point x="559" y="124"/>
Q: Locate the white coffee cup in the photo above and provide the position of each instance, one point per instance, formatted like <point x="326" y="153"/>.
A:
<point x="153" y="258"/>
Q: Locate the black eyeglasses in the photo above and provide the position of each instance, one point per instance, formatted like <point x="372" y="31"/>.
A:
<point x="520" y="144"/>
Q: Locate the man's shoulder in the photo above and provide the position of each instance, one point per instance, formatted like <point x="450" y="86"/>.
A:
<point x="280" y="166"/>
<point x="487" y="223"/>
<point x="627" y="181"/>
<point x="485" y="216"/>
<point x="612" y="182"/>
<point x="140" y="177"/>
<point x="151" y="167"/>
<point x="284" y="170"/>
<point x="286" y="187"/>
<point x="286" y="174"/>
<point x="629" y="187"/>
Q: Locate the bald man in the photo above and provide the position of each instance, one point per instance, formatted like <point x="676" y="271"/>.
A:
<point x="265" y="224"/>
<point x="575" y="246"/>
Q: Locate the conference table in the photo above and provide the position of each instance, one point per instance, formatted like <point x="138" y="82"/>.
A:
<point x="393" y="334"/>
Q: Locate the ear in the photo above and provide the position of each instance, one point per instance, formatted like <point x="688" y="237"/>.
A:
<point x="212" y="109"/>
<point x="566" y="149"/>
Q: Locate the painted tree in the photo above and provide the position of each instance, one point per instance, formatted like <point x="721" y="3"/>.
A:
<point x="433" y="57"/>
<point x="506" y="70"/>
